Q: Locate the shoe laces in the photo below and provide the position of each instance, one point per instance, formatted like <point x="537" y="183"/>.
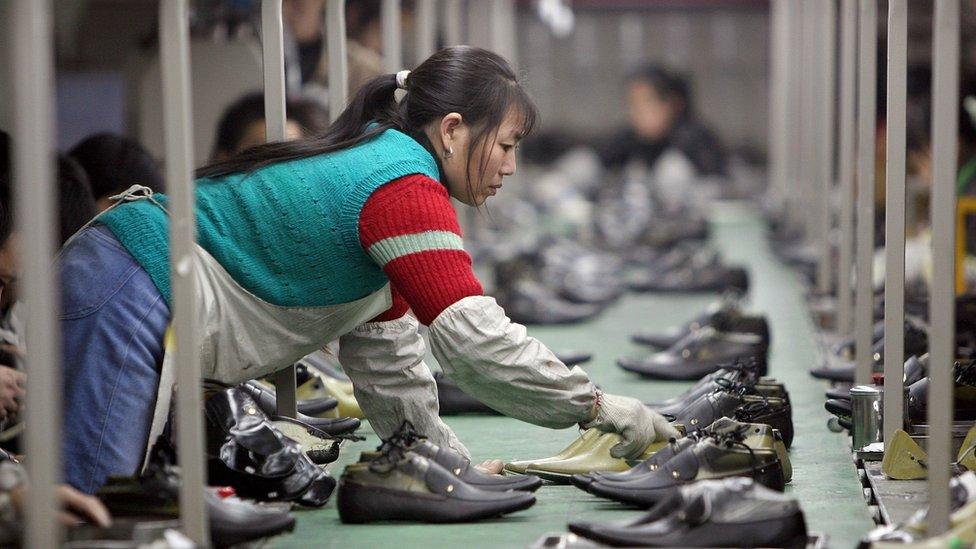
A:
<point x="736" y="439"/>
<point x="750" y="410"/>
<point x="965" y="373"/>
<point x="393" y="449"/>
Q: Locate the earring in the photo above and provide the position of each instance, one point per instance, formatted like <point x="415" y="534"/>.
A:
<point x="449" y="153"/>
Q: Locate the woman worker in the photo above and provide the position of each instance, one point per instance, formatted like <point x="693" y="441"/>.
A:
<point x="339" y="235"/>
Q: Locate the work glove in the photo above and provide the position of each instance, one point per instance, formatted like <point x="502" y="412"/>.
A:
<point x="636" y="424"/>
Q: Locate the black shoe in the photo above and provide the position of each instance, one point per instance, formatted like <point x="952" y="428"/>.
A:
<point x="332" y="426"/>
<point x="746" y="372"/>
<point x="725" y="318"/>
<point x="842" y="392"/>
<point x="712" y="457"/>
<point x="529" y="302"/>
<point x="453" y="401"/>
<point x="732" y="512"/>
<point x="713" y="279"/>
<point x="404" y="486"/>
<point x="963" y="394"/>
<point x="699" y="354"/>
<point x="573" y="358"/>
<point x="643" y="468"/>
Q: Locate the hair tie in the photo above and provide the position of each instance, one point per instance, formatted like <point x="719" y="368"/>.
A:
<point x="401" y="79"/>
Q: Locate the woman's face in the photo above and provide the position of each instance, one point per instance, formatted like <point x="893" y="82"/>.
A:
<point x="471" y="184"/>
<point x="651" y="115"/>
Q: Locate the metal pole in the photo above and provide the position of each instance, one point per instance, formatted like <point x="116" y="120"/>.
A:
<point x="828" y="21"/>
<point x="945" y="104"/>
<point x="795" y="195"/>
<point x="426" y="29"/>
<point x="272" y="44"/>
<point x="335" y="25"/>
<point x="453" y="23"/>
<point x="175" y="51"/>
<point x="894" y="313"/>
<point x="392" y="47"/>
<point x="866" y="112"/>
<point x="848" y="77"/>
<point x="502" y="20"/>
<point x="778" y="96"/>
<point x="35" y="206"/>
<point x="808" y="104"/>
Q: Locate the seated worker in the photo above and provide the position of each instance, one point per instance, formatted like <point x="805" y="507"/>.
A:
<point x="661" y="118"/>
<point x="333" y="236"/>
<point x="241" y="126"/>
<point x="114" y="163"/>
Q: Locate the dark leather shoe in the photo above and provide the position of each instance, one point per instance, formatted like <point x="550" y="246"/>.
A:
<point x="573" y="358"/>
<point x="723" y="319"/>
<point x="453" y="401"/>
<point x="712" y="457"/>
<point x="963" y="394"/>
<point x="699" y="354"/>
<point x="733" y="512"/>
<point x="738" y="372"/>
<point x="775" y="412"/>
<point x="332" y="426"/>
<point x="406" y="486"/>
<point x="529" y="302"/>
<point x="686" y="279"/>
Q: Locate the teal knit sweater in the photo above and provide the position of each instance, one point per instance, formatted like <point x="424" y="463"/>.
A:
<point x="289" y="232"/>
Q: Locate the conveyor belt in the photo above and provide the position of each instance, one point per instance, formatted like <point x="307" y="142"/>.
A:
<point x="824" y="478"/>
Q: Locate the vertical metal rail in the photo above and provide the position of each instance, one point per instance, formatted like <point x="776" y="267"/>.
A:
<point x="272" y="46"/>
<point x="866" y="114"/>
<point x="894" y="291"/>
<point x="945" y="105"/>
<point x="453" y="23"/>
<point x="335" y="26"/>
<point x="175" y="52"/>
<point x="502" y="37"/>
<point x="796" y="206"/>
<point x="807" y="119"/>
<point x="828" y="65"/>
<point x="845" y="172"/>
<point x="392" y="47"/>
<point x="426" y="29"/>
<point x="778" y="97"/>
<point x="35" y="206"/>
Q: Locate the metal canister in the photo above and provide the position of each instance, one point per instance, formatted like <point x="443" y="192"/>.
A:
<point x="865" y="416"/>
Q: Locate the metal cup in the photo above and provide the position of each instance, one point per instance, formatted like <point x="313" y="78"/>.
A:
<point x="865" y="416"/>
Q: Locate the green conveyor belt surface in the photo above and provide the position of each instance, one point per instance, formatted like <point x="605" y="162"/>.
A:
<point x="824" y="478"/>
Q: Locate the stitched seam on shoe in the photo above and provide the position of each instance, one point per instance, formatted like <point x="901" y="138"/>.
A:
<point x="115" y="387"/>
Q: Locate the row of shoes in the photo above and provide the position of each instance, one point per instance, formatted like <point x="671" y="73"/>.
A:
<point x="839" y="365"/>
<point x="722" y="334"/>
<point x="689" y="267"/>
<point x="735" y="391"/>
<point x="409" y="478"/>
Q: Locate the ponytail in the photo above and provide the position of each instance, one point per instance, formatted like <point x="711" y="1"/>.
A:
<point x="478" y="84"/>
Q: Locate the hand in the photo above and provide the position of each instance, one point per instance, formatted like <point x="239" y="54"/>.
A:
<point x="636" y="424"/>
<point x="491" y="466"/>
<point x="11" y="391"/>
<point x="77" y="507"/>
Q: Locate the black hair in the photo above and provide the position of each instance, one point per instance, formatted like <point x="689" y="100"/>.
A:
<point x="311" y="116"/>
<point x="476" y="83"/>
<point x="76" y="206"/>
<point x="667" y="84"/>
<point x="114" y="163"/>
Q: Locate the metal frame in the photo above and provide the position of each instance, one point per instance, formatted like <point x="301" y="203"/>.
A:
<point x="175" y="52"/>
<point x="945" y="94"/>
<point x="34" y="175"/>
<point x="808" y="120"/>
<point x="845" y="171"/>
<point x="825" y="146"/>
<point x="794" y="197"/>
<point x="453" y="23"/>
<point x="778" y="96"/>
<point x="390" y="16"/>
<point x="335" y="24"/>
<point x="426" y="21"/>
<point x="273" y="51"/>
<point x="894" y="314"/>
<point x="866" y="108"/>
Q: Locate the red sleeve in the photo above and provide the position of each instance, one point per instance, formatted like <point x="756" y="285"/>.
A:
<point x="410" y="229"/>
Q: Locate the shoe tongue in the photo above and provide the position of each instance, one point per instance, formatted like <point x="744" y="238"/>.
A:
<point x="696" y="509"/>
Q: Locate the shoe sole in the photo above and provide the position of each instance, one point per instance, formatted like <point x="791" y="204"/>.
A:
<point x="360" y="504"/>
